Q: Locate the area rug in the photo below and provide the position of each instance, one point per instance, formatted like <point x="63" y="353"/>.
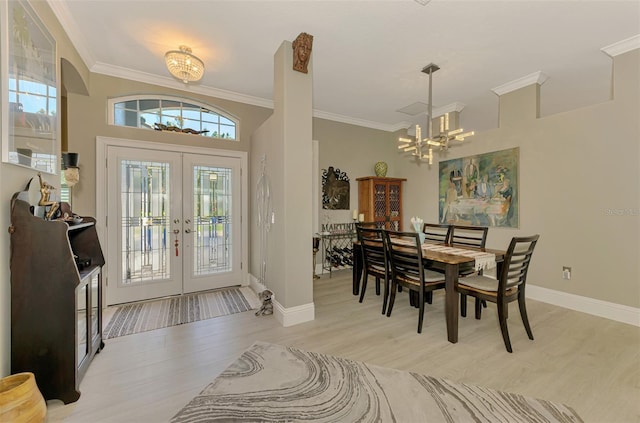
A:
<point x="272" y="383"/>
<point x="145" y="316"/>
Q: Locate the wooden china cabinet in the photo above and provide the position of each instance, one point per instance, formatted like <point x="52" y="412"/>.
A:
<point x="56" y="298"/>
<point x="380" y="200"/>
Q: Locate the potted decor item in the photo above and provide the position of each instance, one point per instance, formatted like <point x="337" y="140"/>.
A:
<point x="21" y="399"/>
<point x="70" y="160"/>
<point x="381" y="169"/>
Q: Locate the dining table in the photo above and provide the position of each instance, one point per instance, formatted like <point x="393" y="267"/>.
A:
<point x="449" y="263"/>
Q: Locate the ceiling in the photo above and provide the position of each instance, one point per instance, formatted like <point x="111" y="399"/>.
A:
<point x="367" y="55"/>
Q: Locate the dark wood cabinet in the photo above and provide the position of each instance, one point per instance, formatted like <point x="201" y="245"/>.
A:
<point x="56" y="299"/>
<point x="380" y="200"/>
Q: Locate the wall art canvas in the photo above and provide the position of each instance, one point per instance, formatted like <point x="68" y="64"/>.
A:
<point x="481" y="190"/>
<point x="335" y="189"/>
<point x="30" y="93"/>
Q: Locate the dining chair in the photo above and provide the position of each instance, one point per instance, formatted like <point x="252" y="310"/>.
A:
<point x="509" y="286"/>
<point x="437" y="233"/>
<point x="468" y="236"/>
<point x="374" y="259"/>
<point x="407" y="269"/>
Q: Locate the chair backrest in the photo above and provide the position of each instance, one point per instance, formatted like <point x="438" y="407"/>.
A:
<point x="435" y="232"/>
<point x="405" y="255"/>
<point x="374" y="253"/>
<point x="367" y="225"/>
<point x="516" y="262"/>
<point x="468" y="236"/>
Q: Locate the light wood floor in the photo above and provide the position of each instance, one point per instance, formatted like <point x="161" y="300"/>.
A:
<point x="587" y="362"/>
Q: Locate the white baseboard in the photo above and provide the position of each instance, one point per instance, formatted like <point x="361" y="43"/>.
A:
<point x="612" y="311"/>
<point x="617" y="312"/>
<point x="286" y="316"/>
<point x="294" y="315"/>
<point x="255" y="284"/>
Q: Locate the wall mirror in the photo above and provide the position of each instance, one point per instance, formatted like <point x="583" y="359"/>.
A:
<point x="29" y="75"/>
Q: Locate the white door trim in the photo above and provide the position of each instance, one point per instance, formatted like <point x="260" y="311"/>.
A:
<point x="102" y="143"/>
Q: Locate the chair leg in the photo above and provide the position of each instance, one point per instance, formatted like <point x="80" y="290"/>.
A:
<point x="429" y="297"/>
<point x="377" y="285"/>
<point x="523" y="314"/>
<point x="392" y="298"/>
<point x="463" y="305"/>
<point x="479" y="308"/>
<point x="484" y="304"/>
<point x="363" y="288"/>
<point x="386" y="295"/>
<point x="502" y="316"/>
<point x="420" y="310"/>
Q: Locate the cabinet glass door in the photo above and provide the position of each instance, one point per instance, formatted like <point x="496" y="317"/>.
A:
<point x="394" y="207"/>
<point x="81" y="315"/>
<point x="95" y="303"/>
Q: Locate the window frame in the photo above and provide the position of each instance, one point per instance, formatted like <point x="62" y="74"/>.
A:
<point x="224" y="118"/>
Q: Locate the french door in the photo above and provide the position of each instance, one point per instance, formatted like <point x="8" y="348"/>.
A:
<point x="173" y="223"/>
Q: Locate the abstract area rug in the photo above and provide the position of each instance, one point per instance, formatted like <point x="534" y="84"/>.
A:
<point x="271" y="383"/>
<point x="140" y="317"/>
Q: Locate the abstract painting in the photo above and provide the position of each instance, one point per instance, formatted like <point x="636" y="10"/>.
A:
<point x="480" y="190"/>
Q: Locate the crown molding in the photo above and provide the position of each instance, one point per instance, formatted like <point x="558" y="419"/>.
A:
<point x="70" y="27"/>
<point x="360" y="122"/>
<point x="534" y="78"/>
<point x="170" y="82"/>
<point x="61" y="12"/>
<point x="622" y="47"/>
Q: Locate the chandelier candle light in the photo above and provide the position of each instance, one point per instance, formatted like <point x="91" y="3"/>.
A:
<point x="441" y="140"/>
<point x="184" y="65"/>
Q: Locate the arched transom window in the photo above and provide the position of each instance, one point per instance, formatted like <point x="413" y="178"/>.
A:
<point x="163" y="113"/>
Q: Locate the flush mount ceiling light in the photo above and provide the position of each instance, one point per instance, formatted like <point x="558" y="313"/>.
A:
<point x="417" y="146"/>
<point x="184" y="65"/>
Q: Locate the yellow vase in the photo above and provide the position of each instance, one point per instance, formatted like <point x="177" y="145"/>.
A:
<point x="381" y="169"/>
<point x="21" y="400"/>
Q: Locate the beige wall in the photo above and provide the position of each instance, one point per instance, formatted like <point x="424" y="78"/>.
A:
<point x="574" y="168"/>
<point x="285" y="142"/>
<point x="354" y="150"/>
<point x="88" y="119"/>
<point x="13" y="178"/>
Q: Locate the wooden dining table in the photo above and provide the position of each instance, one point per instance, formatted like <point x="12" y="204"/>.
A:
<point x="450" y="263"/>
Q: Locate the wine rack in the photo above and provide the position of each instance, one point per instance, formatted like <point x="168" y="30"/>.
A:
<point x="337" y="246"/>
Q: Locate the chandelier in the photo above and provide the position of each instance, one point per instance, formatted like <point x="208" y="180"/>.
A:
<point x="418" y="146"/>
<point x="184" y="65"/>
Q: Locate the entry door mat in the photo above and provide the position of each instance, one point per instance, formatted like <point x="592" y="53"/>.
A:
<point x="144" y="316"/>
<point x="272" y="383"/>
